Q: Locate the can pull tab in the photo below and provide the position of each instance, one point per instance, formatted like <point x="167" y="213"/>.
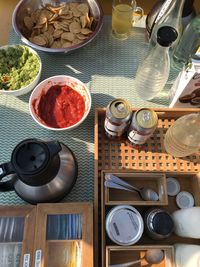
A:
<point x="120" y="107"/>
<point x="146" y="116"/>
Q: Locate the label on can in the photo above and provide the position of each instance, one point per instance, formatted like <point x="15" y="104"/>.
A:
<point x="113" y="129"/>
<point x="118" y="115"/>
<point x="143" y="125"/>
<point x="137" y="138"/>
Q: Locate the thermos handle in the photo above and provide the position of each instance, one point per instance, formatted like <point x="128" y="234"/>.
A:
<point x="5" y="169"/>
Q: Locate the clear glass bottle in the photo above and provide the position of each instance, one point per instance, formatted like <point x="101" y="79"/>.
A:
<point x="153" y="73"/>
<point x="188" y="45"/>
<point x="183" y="137"/>
<point x="169" y="15"/>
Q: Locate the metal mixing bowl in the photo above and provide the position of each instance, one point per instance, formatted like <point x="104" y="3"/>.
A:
<point x="25" y="6"/>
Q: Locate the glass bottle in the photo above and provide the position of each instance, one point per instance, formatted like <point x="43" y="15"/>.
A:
<point x="188" y="13"/>
<point x="188" y="45"/>
<point x="169" y="15"/>
<point x="183" y="137"/>
<point x="153" y="73"/>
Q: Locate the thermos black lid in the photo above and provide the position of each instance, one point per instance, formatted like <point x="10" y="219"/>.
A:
<point x="162" y="223"/>
<point x="166" y="35"/>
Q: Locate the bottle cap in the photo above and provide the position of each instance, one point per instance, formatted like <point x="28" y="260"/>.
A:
<point x="173" y="186"/>
<point x="166" y="35"/>
<point x="185" y="200"/>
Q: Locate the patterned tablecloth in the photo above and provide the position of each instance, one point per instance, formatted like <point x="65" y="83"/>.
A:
<point x="108" y="67"/>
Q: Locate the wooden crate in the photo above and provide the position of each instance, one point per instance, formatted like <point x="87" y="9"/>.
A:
<point x="118" y="156"/>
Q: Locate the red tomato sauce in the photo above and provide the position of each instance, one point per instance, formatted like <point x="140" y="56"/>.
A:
<point x="61" y="107"/>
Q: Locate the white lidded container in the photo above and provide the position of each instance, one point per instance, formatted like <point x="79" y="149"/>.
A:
<point x="187" y="255"/>
<point x="186" y="222"/>
<point x="124" y="225"/>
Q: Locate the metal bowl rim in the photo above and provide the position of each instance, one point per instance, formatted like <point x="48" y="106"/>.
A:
<point x="57" y="50"/>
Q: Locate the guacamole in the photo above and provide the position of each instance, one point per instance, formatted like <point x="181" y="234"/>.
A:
<point x="18" y="67"/>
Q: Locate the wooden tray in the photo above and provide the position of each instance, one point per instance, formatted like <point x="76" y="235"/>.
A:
<point x="116" y="155"/>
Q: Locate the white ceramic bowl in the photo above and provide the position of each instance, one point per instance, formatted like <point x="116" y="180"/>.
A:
<point x="29" y="87"/>
<point x="62" y="80"/>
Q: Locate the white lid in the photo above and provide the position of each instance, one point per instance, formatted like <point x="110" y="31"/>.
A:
<point x="185" y="200"/>
<point x="173" y="186"/>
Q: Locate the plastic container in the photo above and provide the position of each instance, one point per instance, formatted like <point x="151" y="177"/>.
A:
<point x="183" y="137"/>
<point x="187" y="255"/>
<point x="184" y="200"/>
<point x="173" y="186"/>
<point x="186" y="222"/>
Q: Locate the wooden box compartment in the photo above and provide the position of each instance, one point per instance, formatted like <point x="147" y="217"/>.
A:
<point x="188" y="182"/>
<point x="47" y="235"/>
<point x="155" y="181"/>
<point x="118" y="255"/>
<point x="64" y="253"/>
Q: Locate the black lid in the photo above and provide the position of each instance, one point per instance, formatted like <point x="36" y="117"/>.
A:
<point x="30" y="157"/>
<point x="166" y="35"/>
<point x="163" y="223"/>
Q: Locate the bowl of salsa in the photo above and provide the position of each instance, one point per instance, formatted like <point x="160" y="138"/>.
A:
<point x="20" y="69"/>
<point x="60" y="103"/>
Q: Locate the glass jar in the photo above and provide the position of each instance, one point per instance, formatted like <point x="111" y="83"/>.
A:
<point x="158" y="223"/>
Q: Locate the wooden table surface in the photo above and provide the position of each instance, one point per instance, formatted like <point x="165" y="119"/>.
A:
<point x="7" y="7"/>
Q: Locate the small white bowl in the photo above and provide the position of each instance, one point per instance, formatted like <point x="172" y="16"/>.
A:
<point x="62" y="80"/>
<point x="28" y="88"/>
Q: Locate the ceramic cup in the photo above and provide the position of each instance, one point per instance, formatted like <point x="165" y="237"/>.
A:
<point x="124" y="14"/>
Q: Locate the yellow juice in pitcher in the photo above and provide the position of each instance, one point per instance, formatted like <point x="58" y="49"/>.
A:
<point x="122" y="16"/>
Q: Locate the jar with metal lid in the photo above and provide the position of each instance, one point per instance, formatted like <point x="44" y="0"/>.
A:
<point x="158" y="223"/>
<point x="143" y="125"/>
<point x="124" y="225"/>
<point x="118" y="116"/>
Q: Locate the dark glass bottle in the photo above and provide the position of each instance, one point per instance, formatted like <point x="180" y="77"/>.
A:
<point x="188" y="45"/>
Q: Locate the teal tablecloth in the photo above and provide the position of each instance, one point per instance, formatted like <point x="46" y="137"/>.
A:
<point x="108" y="67"/>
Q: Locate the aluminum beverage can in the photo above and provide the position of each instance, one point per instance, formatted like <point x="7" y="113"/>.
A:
<point x="118" y="117"/>
<point x="143" y="125"/>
